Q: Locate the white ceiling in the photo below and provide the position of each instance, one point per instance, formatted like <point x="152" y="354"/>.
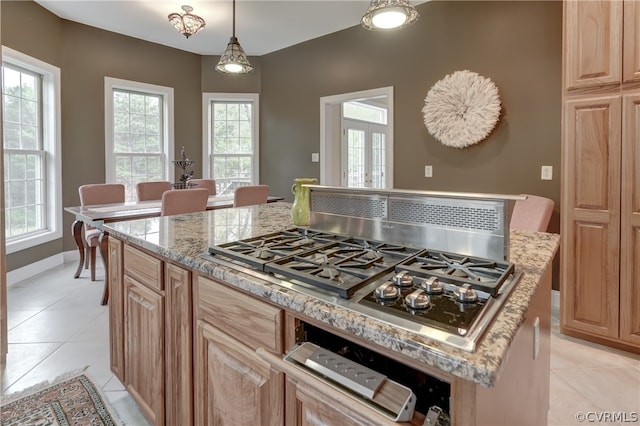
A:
<point x="262" y="26"/>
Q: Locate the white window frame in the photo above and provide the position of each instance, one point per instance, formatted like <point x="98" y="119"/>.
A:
<point x="207" y="99"/>
<point x="110" y="84"/>
<point x="51" y="137"/>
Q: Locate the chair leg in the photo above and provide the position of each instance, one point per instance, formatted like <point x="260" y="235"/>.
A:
<point x="93" y="263"/>
<point x="86" y="257"/>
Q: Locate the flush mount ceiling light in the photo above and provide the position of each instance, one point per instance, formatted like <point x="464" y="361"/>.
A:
<point x="187" y="24"/>
<point x="389" y="14"/>
<point x="233" y="60"/>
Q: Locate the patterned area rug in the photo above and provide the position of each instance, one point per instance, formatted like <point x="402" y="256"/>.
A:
<point x="71" y="399"/>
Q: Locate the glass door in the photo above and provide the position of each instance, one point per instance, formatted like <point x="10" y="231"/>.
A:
<point x="363" y="154"/>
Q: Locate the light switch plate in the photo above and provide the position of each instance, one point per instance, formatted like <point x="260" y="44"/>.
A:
<point x="428" y="171"/>
<point x="546" y="173"/>
<point x="315" y="157"/>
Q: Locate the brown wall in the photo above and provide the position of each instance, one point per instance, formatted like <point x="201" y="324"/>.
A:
<point x="86" y="55"/>
<point x="516" y="44"/>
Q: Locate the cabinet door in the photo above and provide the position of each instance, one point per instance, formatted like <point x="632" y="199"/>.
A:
<point x="233" y="385"/>
<point x="630" y="233"/>
<point x="313" y="408"/>
<point x="631" y="51"/>
<point x="116" y="308"/>
<point x="144" y="349"/>
<point x="593" y="43"/>
<point x="591" y="219"/>
<point x="178" y="334"/>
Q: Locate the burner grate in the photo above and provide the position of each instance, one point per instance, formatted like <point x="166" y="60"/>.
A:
<point x="481" y="274"/>
<point x="342" y="267"/>
<point x="265" y="248"/>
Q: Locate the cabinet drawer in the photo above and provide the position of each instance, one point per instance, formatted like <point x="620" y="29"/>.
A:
<point x="144" y="268"/>
<point x="254" y="323"/>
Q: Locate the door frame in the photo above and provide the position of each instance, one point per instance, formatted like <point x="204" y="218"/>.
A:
<point x="330" y="132"/>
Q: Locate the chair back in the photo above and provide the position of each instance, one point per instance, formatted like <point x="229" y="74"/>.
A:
<point x="249" y="195"/>
<point x="532" y="214"/>
<point x="101" y="193"/>
<point x="147" y="191"/>
<point x="209" y="184"/>
<point x="179" y="201"/>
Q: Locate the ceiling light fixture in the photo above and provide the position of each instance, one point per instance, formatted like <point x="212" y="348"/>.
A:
<point x="389" y="14"/>
<point x="187" y="24"/>
<point x="233" y="60"/>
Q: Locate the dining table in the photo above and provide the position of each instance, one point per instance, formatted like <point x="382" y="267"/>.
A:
<point x="97" y="215"/>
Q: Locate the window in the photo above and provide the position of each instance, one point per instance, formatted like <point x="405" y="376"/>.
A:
<point x="139" y="133"/>
<point x="31" y="141"/>
<point x="364" y="112"/>
<point x="231" y="129"/>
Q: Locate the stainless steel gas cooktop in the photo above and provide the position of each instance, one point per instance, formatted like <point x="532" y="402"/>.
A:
<point x="446" y="296"/>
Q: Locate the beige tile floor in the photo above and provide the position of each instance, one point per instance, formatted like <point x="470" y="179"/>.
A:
<point x="56" y="324"/>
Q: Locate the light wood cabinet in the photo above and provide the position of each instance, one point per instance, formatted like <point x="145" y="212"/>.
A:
<point x="631" y="52"/>
<point x="151" y="332"/>
<point x="232" y="385"/>
<point x="600" y="255"/>
<point x="602" y="46"/>
<point x="116" y="308"/>
<point x="630" y="255"/>
<point x="591" y="213"/>
<point x="239" y="387"/>
<point x="144" y="348"/>
<point x="178" y="336"/>
<point x="593" y="42"/>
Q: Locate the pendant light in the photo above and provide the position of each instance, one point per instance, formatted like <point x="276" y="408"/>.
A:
<point x="233" y="60"/>
<point x="389" y="14"/>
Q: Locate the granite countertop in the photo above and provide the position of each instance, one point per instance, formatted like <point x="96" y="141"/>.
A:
<point x="185" y="238"/>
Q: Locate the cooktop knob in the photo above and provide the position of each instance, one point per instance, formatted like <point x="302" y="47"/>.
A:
<point x="386" y="291"/>
<point x="417" y="299"/>
<point x="403" y="279"/>
<point x="466" y="294"/>
<point x="432" y="285"/>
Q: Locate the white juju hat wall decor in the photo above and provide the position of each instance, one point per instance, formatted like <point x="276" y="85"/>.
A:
<point x="461" y="109"/>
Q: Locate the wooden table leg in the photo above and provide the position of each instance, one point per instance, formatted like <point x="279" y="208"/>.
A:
<point x="103" y="243"/>
<point x="76" y="230"/>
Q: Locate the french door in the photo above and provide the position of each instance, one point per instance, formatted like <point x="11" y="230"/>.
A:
<point x="364" y="155"/>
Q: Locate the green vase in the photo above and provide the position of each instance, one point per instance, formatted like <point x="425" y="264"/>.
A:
<point x="300" y="208"/>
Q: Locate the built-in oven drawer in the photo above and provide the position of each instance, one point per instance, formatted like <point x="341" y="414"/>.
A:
<point x="345" y="383"/>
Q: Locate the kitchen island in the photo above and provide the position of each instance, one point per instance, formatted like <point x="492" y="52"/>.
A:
<point x="218" y="333"/>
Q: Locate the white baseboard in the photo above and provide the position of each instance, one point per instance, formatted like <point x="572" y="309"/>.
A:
<point x="33" y="269"/>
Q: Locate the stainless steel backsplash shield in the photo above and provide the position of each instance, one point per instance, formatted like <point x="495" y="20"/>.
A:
<point x="467" y="223"/>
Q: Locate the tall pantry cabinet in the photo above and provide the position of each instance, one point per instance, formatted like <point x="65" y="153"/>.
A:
<point x="600" y="225"/>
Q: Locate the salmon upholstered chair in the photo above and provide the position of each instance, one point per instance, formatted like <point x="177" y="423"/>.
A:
<point x="147" y="191"/>
<point x="209" y="184"/>
<point x="532" y="214"/>
<point x="179" y="201"/>
<point x="94" y="194"/>
<point x="249" y="195"/>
